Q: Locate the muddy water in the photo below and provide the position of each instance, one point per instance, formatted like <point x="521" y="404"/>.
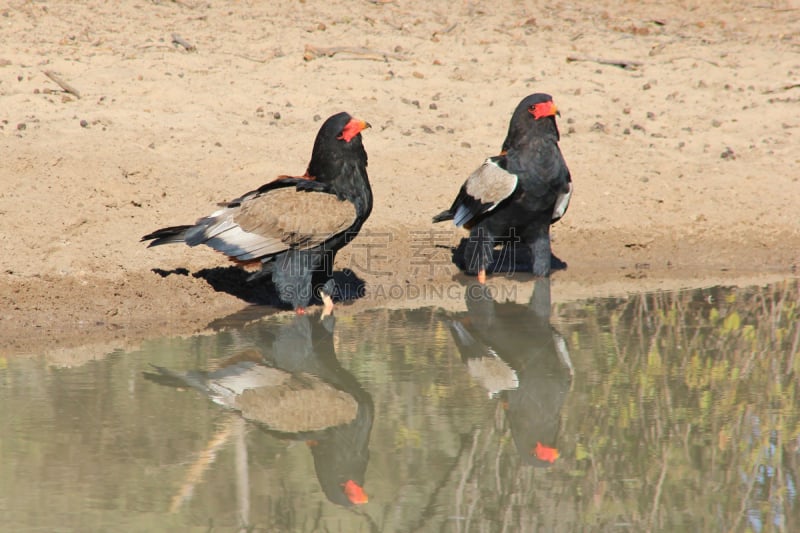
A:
<point x="661" y="412"/>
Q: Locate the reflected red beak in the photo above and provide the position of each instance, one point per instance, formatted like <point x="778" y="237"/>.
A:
<point x="354" y="492"/>
<point x="545" y="453"/>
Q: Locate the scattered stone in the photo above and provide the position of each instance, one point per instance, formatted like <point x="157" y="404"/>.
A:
<point x="728" y="154"/>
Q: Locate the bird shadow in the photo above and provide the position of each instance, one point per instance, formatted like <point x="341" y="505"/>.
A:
<point x="234" y="281"/>
<point x="509" y="259"/>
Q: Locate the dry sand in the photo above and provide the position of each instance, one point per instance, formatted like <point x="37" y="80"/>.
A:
<point x="685" y="163"/>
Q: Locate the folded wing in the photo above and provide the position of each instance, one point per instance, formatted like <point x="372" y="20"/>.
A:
<point x="483" y="191"/>
<point x="271" y="221"/>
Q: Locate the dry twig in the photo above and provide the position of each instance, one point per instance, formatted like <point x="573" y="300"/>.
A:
<point x="313" y="52"/>
<point x="622" y="63"/>
<point x="784" y="87"/>
<point x="61" y="83"/>
<point x="189" y="47"/>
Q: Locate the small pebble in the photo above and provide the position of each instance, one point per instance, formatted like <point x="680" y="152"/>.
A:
<point x="84" y="124"/>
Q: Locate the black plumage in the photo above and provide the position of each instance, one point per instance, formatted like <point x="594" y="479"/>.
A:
<point x="517" y="195"/>
<point x="294" y="226"/>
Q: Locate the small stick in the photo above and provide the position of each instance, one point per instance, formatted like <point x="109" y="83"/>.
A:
<point x="784" y="87"/>
<point x="446" y="30"/>
<point x="204" y="460"/>
<point x="177" y="39"/>
<point x="61" y="83"/>
<point x="623" y="63"/>
<point x="313" y="52"/>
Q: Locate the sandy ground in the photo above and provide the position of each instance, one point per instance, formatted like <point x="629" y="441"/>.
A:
<point x="685" y="163"/>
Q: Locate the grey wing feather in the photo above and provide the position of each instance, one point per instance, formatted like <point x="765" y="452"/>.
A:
<point x="262" y="225"/>
<point x="483" y="191"/>
<point x="562" y="202"/>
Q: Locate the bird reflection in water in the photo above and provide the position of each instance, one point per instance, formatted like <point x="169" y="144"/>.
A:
<point x="291" y="385"/>
<point x="514" y="352"/>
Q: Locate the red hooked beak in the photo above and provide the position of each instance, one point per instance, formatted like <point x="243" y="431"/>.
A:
<point x="354" y="492"/>
<point x="544" y="109"/>
<point x="545" y="453"/>
<point x="353" y="128"/>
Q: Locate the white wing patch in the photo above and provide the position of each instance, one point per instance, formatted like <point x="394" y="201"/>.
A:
<point x="491" y="184"/>
<point x="485" y="189"/>
<point x="562" y="202"/>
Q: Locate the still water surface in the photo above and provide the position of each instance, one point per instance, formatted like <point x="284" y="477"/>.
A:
<point x="659" y="412"/>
